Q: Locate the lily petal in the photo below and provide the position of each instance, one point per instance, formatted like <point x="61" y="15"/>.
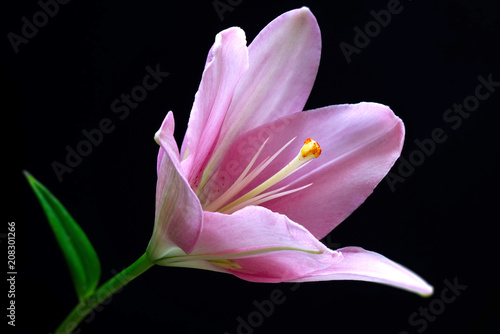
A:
<point x="258" y="245"/>
<point x="362" y="265"/>
<point x="284" y="60"/>
<point x="360" y="143"/>
<point x="226" y="63"/>
<point x="178" y="216"/>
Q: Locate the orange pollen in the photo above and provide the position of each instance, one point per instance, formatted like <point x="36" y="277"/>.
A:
<point x="311" y="147"/>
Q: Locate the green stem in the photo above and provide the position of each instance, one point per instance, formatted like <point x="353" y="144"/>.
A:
<point x="86" y="305"/>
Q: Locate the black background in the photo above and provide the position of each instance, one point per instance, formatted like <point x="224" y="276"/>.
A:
<point x="441" y="221"/>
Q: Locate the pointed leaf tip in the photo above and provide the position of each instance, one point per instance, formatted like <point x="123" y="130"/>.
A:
<point x="79" y="253"/>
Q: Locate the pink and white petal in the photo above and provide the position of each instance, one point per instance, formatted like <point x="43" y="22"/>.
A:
<point x="284" y="60"/>
<point x="363" y="265"/>
<point x="227" y="61"/>
<point x="252" y="227"/>
<point x="360" y="143"/>
<point x="178" y="216"/>
<point x="290" y="250"/>
<point x="281" y="266"/>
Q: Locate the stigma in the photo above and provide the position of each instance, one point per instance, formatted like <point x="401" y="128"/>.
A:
<point x="258" y="195"/>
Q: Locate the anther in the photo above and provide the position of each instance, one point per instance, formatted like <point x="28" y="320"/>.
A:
<point x="311" y="147"/>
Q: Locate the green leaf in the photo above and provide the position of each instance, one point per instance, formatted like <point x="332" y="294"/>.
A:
<point x="80" y="256"/>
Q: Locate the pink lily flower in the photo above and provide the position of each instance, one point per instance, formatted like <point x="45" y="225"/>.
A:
<point x="250" y="193"/>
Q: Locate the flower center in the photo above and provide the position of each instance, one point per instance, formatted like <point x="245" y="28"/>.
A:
<point x="257" y="195"/>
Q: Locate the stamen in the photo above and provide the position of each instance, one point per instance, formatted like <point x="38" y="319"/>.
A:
<point x="245" y="179"/>
<point x="311" y="149"/>
<point x="262" y="198"/>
